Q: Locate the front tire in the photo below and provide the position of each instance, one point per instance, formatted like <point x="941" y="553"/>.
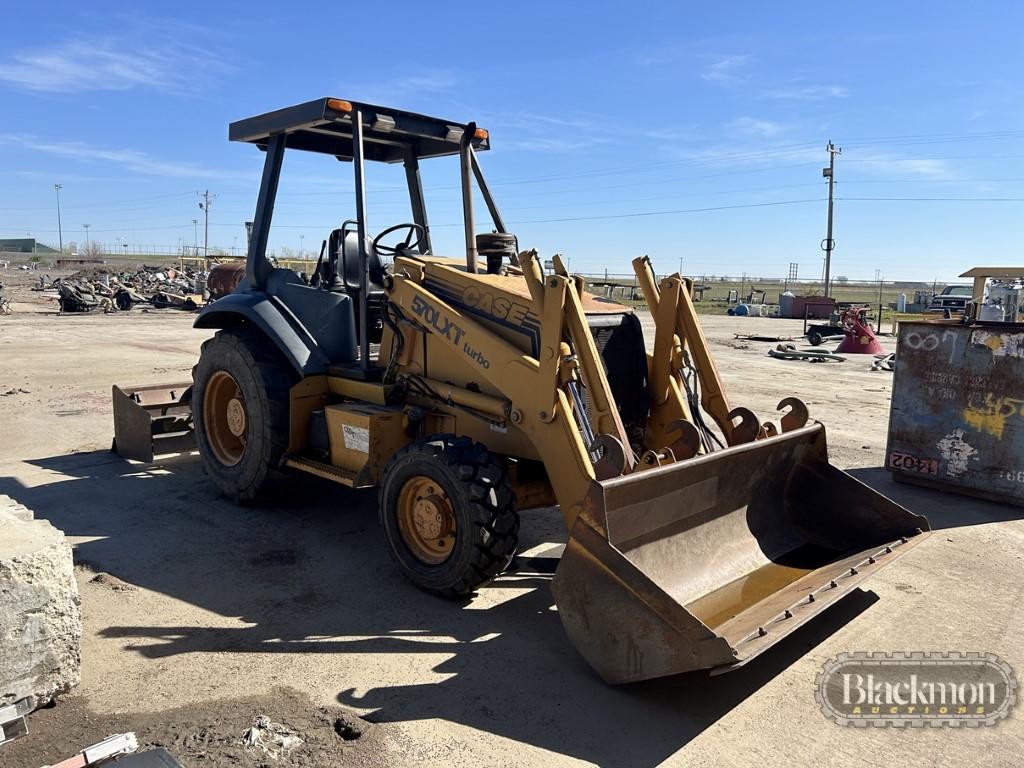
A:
<point x="240" y="411"/>
<point x="448" y="514"/>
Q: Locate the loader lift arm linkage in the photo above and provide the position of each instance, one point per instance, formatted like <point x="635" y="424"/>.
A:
<point x="677" y="333"/>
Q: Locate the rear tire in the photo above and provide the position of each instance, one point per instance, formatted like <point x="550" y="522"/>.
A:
<point x="240" y="411"/>
<point x="123" y="301"/>
<point x="448" y="513"/>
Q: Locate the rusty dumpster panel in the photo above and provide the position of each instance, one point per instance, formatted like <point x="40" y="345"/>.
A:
<point x="957" y="416"/>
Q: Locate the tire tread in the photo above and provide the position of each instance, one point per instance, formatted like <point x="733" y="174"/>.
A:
<point x="490" y="499"/>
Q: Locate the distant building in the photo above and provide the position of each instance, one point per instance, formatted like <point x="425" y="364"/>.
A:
<point x="24" y="245"/>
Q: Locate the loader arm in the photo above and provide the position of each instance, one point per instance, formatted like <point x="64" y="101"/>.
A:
<point x="679" y="320"/>
<point x="540" y="408"/>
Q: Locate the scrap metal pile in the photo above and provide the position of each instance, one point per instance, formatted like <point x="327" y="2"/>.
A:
<point x="109" y="291"/>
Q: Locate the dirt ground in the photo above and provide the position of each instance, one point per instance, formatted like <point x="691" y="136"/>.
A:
<point x="210" y="734"/>
<point x="209" y="612"/>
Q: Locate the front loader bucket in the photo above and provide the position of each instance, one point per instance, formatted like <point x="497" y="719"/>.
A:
<point x="706" y="563"/>
<point x="152" y="420"/>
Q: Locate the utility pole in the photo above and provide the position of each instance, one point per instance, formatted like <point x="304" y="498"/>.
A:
<point x="60" y="235"/>
<point x="87" y="249"/>
<point x="205" y="208"/>
<point x="878" y="277"/>
<point x="828" y="244"/>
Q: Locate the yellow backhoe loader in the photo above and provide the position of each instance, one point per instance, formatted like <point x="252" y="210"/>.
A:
<point x="468" y="389"/>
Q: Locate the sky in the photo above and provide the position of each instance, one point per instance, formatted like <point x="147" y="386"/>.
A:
<point x="692" y="132"/>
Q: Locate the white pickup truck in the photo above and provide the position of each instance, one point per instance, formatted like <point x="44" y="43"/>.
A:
<point x="953" y="298"/>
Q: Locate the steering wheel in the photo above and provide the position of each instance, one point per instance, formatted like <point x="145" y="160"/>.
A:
<point x="405" y="246"/>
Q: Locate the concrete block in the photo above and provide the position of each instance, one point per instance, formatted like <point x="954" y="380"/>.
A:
<point x="40" y="616"/>
<point x="9" y="506"/>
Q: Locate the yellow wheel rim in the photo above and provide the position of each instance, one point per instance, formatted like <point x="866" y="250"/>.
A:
<point x="225" y="418"/>
<point x="426" y="520"/>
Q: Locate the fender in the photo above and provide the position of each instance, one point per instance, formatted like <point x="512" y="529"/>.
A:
<point x="275" y="320"/>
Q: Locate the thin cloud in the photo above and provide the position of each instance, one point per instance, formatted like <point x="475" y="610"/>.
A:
<point x="726" y="71"/>
<point x="537" y="132"/>
<point x="888" y="164"/>
<point x="540" y="122"/>
<point x="659" y="56"/>
<point x="808" y="92"/>
<point x="132" y="160"/>
<point x="755" y="155"/>
<point x="109" y="64"/>
<point x="403" y="90"/>
<point x="438" y="80"/>
<point x="551" y="144"/>
<point x="754" y="127"/>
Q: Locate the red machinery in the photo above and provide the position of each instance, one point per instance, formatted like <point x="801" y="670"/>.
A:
<point x="860" y="339"/>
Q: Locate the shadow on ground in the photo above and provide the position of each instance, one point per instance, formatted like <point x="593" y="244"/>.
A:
<point x="311" y="575"/>
<point x="943" y="510"/>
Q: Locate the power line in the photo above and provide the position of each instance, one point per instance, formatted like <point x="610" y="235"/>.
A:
<point x="937" y="199"/>
<point x="607" y="216"/>
<point x="106" y="204"/>
<point x="636" y="214"/>
<point x="669" y="213"/>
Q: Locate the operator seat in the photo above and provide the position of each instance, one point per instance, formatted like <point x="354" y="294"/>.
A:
<point x="349" y="266"/>
<point x="343" y="244"/>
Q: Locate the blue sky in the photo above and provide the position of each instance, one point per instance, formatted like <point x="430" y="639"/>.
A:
<point x="681" y="130"/>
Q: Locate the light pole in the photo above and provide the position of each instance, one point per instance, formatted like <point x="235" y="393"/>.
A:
<point x="60" y="235"/>
<point x="86" y="238"/>
<point x="234" y="244"/>
<point x="302" y="255"/>
<point x="195" y="236"/>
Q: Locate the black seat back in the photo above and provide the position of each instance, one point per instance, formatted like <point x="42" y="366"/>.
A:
<point x="344" y="246"/>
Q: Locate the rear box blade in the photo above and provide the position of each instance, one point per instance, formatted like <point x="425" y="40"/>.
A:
<point x="152" y="420"/>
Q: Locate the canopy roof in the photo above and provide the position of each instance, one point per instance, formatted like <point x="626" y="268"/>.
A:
<point x="325" y="125"/>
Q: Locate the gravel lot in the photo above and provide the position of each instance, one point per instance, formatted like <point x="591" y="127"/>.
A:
<point x="230" y="602"/>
